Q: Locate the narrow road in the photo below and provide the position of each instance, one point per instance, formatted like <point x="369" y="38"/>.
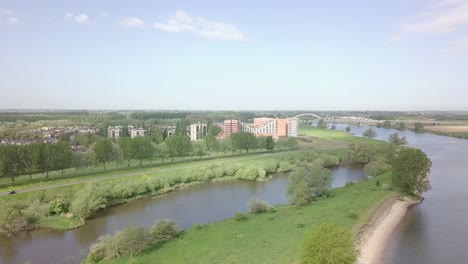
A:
<point x="73" y="182"/>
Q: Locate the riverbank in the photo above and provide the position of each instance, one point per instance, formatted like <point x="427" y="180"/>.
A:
<point x="273" y="237"/>
<point x="25" y="211"/>
<point x="374" y="235"/>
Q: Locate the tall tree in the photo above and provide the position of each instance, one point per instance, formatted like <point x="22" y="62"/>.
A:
<point x="270" y="143"/>
<point x="142" y="149"/>
<point x="44" y="158"/>
<point x="418" y="127"/>
<point x="103" y="150"/>
<point x="127" y="150"/>
<point x="243" y="141"/>
<point x="27" y="156"/>
<point x="369" y="133"/>
<point x="211" y="143"/>
<point x="397" y="140"/>
<point x="62" y="156"/>
<point x="411" y="170"/>
<point x="178" y="146"/>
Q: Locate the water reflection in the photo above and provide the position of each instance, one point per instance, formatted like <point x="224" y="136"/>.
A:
<point x="198" y="205"/>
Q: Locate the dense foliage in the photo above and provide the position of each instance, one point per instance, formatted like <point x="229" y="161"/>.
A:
<point x="328" y="244"/>
<point x="411" y="171"/>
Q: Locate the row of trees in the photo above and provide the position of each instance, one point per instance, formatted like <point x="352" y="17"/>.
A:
<point x="42" y="158"/>
<point x="28" y="159"/>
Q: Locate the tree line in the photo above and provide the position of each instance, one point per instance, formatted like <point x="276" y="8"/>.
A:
<point x="44" y="157"/>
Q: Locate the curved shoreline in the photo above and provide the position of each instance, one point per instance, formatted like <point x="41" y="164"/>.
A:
<point x="374" y="235"/>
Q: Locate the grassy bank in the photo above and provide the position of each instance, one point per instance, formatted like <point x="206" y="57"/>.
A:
<point x="44" y="208"/>
<point x="337" y="135"/>
<point x="268" y="237"/>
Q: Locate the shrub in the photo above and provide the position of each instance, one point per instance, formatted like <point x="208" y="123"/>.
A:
<point x="385" y="187"/>
<point x="377" y="183"/>
<point x="165" y="229"/>
<point x="300" y="223"/>
<point x="57" y="206"/>
<point x="329" y="244"/>
<point x="376" y="167"/>
<point x="240" y="217"/>
<point x="258" y="206"/>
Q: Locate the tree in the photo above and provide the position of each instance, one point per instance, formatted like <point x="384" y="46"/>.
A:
<point x="44" y="158"/>
<point x="226" y="145"/>
<point x="411" y="170"/>
<point x="270" y="143"/>
<point x="348" y="129"/>
<point x="63" y="156"/>
<point x="369" y="133"/>
<point x="328" y="244"/>
<point x="141" y="149"/>
<point x="397" y="140"/>
<point x="199" y="149"/>
<point x="376" y="167"/>
<point x="418" y="127"/>
<point x="401" y="126"/>
<point x="178" y="146"/>
<point x="333" y="127"/>
<point x="163" y="151"/>
<point x="127" y="150"/>
<point x="103" y="150"/>
<point x="27" y="157"/>
<point x="360" y="153"/>
<point x="10" y="165"/>
<point x="387" y="124"/>
<point x="117" y="154"/>
<point x="243" y="141"/>
<point x="322" y="124"/>
<point x="211" y="143"/>
<point x="308" y="186"/>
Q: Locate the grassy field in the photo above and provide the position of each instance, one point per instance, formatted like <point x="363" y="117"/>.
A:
<point x="337" y="135"/>
<point x="268" y="237"/>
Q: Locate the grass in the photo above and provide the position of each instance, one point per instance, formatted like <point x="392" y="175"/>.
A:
<point x="337" y="135"/>
<point x="61" y="223"/>
<point x="268" y="237"/>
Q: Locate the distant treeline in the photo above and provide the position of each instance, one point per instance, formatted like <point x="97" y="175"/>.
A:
<point x="37" y="116"/>
<point x="158" y="115"/>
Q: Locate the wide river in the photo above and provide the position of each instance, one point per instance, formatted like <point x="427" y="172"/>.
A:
<point x="198" y="205"/>
<point x="436" y="231"/>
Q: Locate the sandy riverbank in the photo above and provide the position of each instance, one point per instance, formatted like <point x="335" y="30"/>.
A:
<point x="374" y="235"/>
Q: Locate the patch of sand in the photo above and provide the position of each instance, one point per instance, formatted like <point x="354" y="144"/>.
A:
<point x="374" y="235"/>
<point x="449" y="129"/>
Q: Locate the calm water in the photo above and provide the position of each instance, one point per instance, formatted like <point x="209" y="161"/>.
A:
<point x="436" y="231"/>
<point x="199" y="205"/>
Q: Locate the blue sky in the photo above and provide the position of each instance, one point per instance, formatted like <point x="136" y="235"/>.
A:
<point x="272" y="55"/>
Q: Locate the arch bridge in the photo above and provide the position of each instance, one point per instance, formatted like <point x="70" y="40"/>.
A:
<point x="307" y="115"/>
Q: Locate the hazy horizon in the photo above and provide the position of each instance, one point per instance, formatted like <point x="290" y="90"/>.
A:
<point x="397" y="55"/>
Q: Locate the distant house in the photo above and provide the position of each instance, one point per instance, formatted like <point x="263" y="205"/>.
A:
<point x="198" y="131"/>
<point x="114" y="132"/>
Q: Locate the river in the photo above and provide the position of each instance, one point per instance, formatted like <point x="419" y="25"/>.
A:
<point x="435" y="231"/>
<point x="198" y="205"/>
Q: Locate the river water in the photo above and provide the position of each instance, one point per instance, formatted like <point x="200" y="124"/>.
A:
<point x="436" y="231"/>
<point x="198" y="205"/>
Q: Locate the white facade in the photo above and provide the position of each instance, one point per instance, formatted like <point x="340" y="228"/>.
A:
<point x="198" y="131"/>
<point x="137" y="132"/>
<point x="114" y="132"/>
<point x="293" y="127"/>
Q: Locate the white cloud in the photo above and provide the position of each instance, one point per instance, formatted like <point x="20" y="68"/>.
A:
<point x="439" y="18"/>
<point x="458" y="45"/>
<point x="12" y="21"/>
<point x="132" y="22"/>
<point x="5" y="12"/>
<point x="183" y="21"/>
<point x="102" y="16"/>
<point x="79" y="18"/>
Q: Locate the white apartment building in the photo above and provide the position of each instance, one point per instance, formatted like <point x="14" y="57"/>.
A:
<point x="198" y="131"/>
<point x="137" y="132"/>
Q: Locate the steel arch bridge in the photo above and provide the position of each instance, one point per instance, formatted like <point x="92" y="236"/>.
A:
<point x="307" y="115"/>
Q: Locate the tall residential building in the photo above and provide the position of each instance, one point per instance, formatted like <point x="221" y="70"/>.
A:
<point x="274" y="127"/>
<point x="198" y="131"/>
<point x="230" y="127"/>
<point x="114" y="132"/>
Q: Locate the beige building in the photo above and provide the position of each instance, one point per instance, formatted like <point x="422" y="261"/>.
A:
<point x="198" y="131"/>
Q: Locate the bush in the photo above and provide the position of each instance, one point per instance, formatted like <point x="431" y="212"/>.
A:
<point x="300" y="223"/>
<point x="258" y="206"/>
<point x="377" y="183"/>
<point x="57" y="206"/>
<point x="240" y="217"/>
<point x="328" y="244"/>
<point x="376" y="167"/>
<point x="385" y="187"/>
<point x="165" y="229"/>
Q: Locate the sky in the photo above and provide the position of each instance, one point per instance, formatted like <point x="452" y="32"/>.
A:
<point x="234" y="55"/>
